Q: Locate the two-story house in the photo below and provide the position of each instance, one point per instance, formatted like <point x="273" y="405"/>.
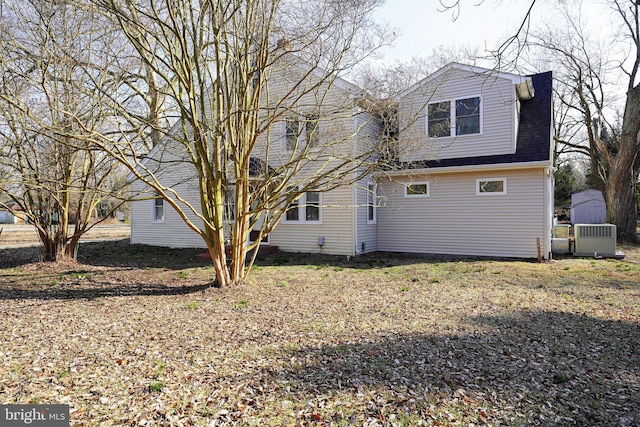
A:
<point x="473" y="175"/>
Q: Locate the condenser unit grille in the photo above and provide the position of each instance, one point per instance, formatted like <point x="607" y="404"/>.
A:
<point x="594" y="231"/>
<point x="595" y="239"/>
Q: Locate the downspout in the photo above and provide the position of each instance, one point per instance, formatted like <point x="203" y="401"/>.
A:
<point x="548" y="218"/>
<point x="355" y="187"/>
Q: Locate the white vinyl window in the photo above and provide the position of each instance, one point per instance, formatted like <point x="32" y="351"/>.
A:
<point x="461" y="116"/>
<point x="306" y="209"/>
<point x="229" y="213"/>
<point x="291" y="133"/>
<point x="491" y="186"/>
<point x="301" y="131"/>
<point x="371" y="203"/>
<point x="157" y="209"/>
<point x="417" y="189"/>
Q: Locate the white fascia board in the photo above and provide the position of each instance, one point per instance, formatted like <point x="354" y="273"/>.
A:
<point x="462" y="67"/>
<point x="131" y="176"/>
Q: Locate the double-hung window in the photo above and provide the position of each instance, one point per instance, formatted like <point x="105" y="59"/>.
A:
<point x="467" y="116"/>
<point x="157" y="212"/>
<point x="312" y="130"/>
<point x="371" y="203"/>
<point x="305" y="209"/>
<point x="301" y="131"/>
<point x="291" y="133"/>
<point x="439" y="119"/>
<point x="452" y="118"/>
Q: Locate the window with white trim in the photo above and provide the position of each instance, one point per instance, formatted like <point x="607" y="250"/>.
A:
<point x="301" y="131"/>
<point x="371" y="203"/>
<point x="417" y="189"/>
<point x="452" y="118"/>
<point x="229" y="213"/>
<point x="305" y="209"/>
<point x="291" y="133"/>
<point x="491" y="186"/>
<point x="157" y="212"/>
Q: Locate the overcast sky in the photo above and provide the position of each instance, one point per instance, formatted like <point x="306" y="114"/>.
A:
<point x="484" y="24"/>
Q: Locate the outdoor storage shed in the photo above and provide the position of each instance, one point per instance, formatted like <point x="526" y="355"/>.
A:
<point x="588" y="207"/>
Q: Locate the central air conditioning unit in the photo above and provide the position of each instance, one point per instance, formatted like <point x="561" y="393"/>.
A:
<point x="595" y="239"/>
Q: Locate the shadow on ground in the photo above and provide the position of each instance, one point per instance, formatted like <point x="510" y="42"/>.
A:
<point x="534" y="368"/>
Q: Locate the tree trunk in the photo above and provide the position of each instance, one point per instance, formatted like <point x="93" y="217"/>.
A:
<point x="620" y="189"/>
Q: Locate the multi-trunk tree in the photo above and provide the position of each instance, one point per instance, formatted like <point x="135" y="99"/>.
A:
<point x="238" y="73"/>
<point x="52" y="70"/>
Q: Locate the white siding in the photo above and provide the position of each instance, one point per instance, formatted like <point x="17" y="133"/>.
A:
<point x="365" y="233"/>
<point x="173" y="231"/>
<point x="338" y="140"/>
<point x="336" y="227"/>
<point x="454" y="220"/>
<point x="498" y="116"/>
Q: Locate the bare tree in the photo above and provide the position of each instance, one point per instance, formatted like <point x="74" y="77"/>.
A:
<point x="583" y="91"/>
<point x="625" y="167"/>
<point x="237" y="72"/>
<point x="49" y="85"/>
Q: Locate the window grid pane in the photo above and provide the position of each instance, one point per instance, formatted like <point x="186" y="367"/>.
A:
<point x="312" y="208"/>
<point x="467" y="116"/>
<point x="439" y="119"/>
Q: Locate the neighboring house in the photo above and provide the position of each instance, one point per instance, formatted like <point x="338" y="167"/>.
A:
<point x="473" y="175"/>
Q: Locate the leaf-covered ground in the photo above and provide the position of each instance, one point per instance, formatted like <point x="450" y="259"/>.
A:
<point x="137" y="336"/>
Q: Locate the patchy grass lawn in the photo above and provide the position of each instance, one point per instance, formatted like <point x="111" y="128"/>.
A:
<point x="136" y="336"/>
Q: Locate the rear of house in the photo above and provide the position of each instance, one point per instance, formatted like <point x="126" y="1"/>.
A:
<point x="481" y="185"/>
<point x="332" y="133"/>
<point x="473" y="175"/>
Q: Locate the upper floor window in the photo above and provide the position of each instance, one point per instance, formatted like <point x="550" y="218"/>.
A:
<point x="312" y="130"/>
<point x="291" y="133"/>
<point x="467" y="116"/>
<point x="157" y="213"/>
<point x="301" y="131"/>
<point x="452" y="118"/>
<point x="439" y="119"/>
<point x="491" y="186"/>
